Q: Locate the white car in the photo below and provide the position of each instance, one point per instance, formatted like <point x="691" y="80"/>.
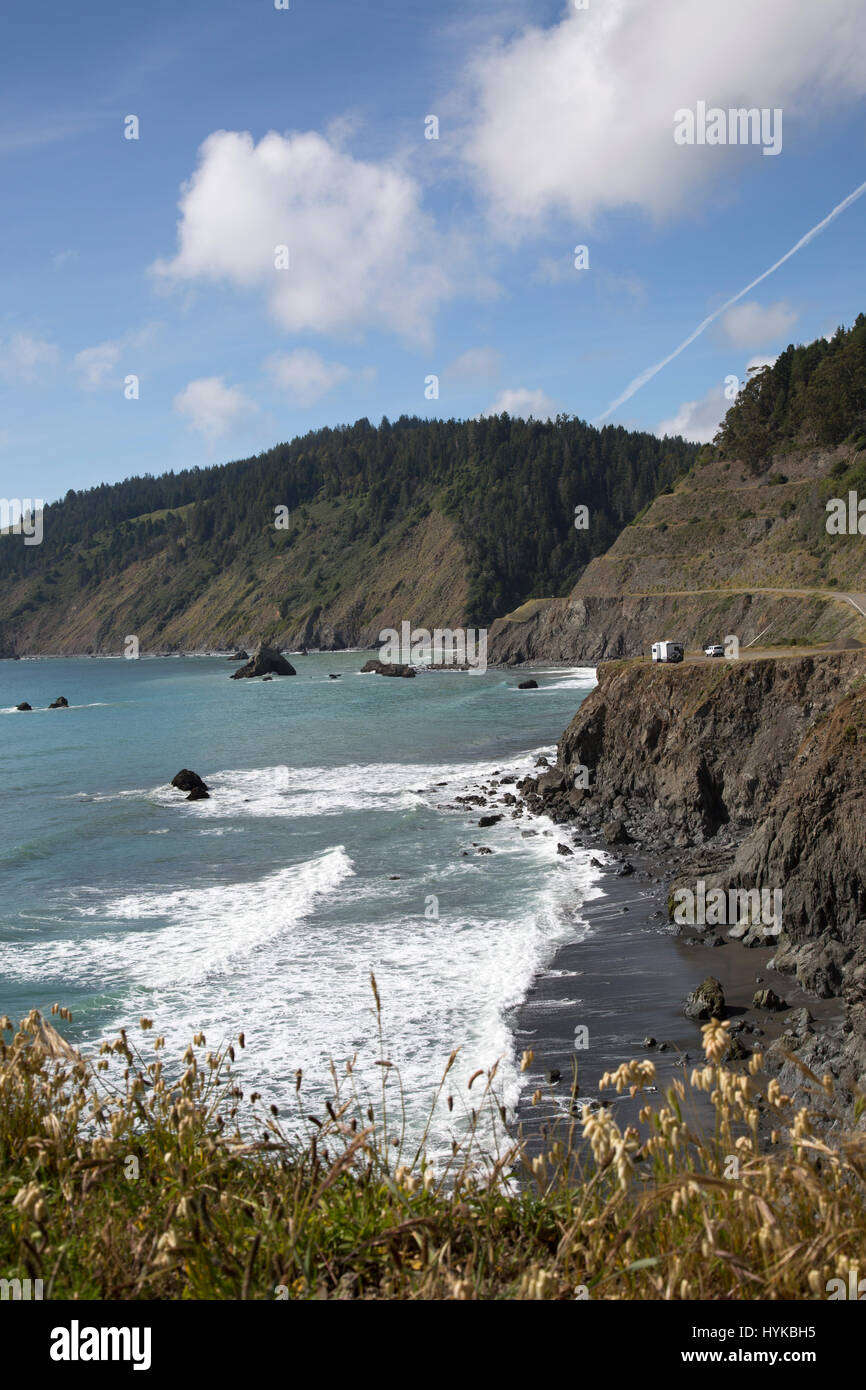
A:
<point x="714" y="649"/>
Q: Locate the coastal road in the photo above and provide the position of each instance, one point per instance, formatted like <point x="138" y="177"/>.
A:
<point x="857" y="601"/>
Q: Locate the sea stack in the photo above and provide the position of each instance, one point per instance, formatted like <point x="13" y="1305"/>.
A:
<point x="189" y="781"/>
<point x="268" y="661"/>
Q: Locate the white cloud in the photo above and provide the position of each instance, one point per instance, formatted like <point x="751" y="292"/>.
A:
<point x="750" y="325"/>
<point x="698" y="420"/>
<point x="579" y="118"/>
<point x="362" y="252"/>
<point x="24" y="358"/>
<point x="476" y="364"/>
<point x="522" y="401"/>
<point x="95" y="365"/>
<point x="305" y="375"/>
<point x="211" y="407"/>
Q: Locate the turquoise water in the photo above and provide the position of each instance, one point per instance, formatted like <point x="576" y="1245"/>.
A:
<point x="325" y="851"/>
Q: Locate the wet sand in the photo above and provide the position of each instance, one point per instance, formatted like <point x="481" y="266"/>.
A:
<point x="628" y="980"/>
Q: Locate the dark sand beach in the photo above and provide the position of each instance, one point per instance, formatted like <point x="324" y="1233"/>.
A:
<point x="626" y="981"/>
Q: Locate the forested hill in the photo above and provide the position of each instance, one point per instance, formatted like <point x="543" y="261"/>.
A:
<point x="813" y="395"/>
<point x="438" y="522"/>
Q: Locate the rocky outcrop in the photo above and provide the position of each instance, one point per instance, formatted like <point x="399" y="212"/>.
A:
<point x="707" y="1001"/>
<point x="588" y="628"/>
<point x="266" y="662"/>
<point x="239" y="655"/>
<point x="387" y="668"/>
<point x="24" y="706"/>
<point x="754" y="774"/>
<point x="60" y="703"/>
<point x="188" y="781"/>
<point x="812" y="845"/>
<point x="689" y="754"/>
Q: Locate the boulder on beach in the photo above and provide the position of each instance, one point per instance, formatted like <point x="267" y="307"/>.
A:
<point x="707" y="1001"/>
<point x="614" y="832"/>
<point x="768" y="999"/>
<point x="268" y="661"/>
<point x="186" y="781"/>
<point x="60" y="703"/>
<point x="551" y="782"/>
<point x="738" y="1052"/>
<point x="528" y="685"/>
<point x="24" y="706"/>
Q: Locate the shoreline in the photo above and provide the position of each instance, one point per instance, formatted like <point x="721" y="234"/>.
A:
<point x="627" y="980"/>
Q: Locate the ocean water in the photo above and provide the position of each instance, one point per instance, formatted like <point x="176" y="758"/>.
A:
<point x="331" y="847"/>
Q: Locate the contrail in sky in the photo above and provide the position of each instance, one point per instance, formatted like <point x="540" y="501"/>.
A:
<point x="650" y="372"/>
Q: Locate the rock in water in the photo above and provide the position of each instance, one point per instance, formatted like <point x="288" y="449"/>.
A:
<point x="60" y="703"/>
<point x="24" y="706"/>
<point x="386" y="668"/>
<point x="266" y="662"/>
<point x="528" y="685"/>
<point x="707" y="1001"/>
<point x="199" y="794"/>
<point x="488" y="820"/>
<point x="335" y="678"/>
<point x="240" y="655"/>
<point x="187" y="781"/>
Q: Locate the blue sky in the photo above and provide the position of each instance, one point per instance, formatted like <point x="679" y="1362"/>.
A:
<point x="408" y="257"/>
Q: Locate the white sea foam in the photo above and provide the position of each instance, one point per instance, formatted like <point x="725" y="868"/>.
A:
<point x="326" y="791"/>
<point x="43" y="709"/>
<point x="193" y="933"/>
<point x="287" y="956"/>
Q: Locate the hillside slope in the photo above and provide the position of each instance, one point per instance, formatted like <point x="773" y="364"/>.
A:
<point x="709" y="556"/>
<point x="439" y="523"/>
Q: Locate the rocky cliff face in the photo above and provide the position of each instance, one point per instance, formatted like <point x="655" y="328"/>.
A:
<point x="703" y="561"/>
<point x="591" y="628"/>
<point x="753" y="773"/>
<point x="695" y="749"/>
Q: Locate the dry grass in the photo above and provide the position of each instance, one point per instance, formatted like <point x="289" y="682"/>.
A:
<point x="125" y="1178"/>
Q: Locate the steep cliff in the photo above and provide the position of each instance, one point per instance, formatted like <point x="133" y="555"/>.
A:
<point x="726" y="549"/>
<point x="750" y="775"/>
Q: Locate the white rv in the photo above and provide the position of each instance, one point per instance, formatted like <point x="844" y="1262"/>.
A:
<point x="667" y="651"/>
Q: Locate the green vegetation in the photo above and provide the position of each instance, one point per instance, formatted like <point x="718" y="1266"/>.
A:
<point x="811" y="396"/>
<point x="509" y="487"/>
<point x="127" y="1178"/>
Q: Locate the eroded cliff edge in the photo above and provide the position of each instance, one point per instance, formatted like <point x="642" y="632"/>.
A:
<point x="746" y="774"/>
